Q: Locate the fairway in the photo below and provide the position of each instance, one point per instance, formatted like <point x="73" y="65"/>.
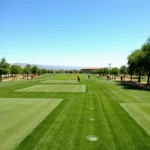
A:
<point x="75" y="75"/>
<point x="54" y="88"/>
<point x="60" y="81"/>
<point x="140" y="112"/>
<point x="20" y="116"/>
<point x="93" y="115"/>
<point x="72" y="77"/>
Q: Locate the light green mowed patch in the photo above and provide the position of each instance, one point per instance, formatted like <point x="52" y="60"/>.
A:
<point x="140" y="112"/>
<point x="20" y="116"/>
<point x="60" y="81"/>
<point x="72" y="76"/>
<point x="54" y="88"/>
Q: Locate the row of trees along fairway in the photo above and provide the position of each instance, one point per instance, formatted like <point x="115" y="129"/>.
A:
<point x="6" y="69"/>
<point x="114" y="72"/>
<point x="122" y="71"/>
<point x="139" y="61"/>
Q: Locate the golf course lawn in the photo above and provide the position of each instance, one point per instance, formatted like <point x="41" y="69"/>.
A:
<point x="140" y="112"/>
<point x="103" y="117"/>
<point x="60" y="81"/>
<point x="54" y="88"/>
<point x="72" y="76"/>
<point x="19" y="116"/>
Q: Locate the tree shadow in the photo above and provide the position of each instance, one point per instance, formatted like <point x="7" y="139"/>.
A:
<point x="133" y="85"/>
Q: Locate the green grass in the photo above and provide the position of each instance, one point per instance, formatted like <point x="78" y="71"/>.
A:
<point x="72" y="76"/>
<point x="68" y="126"/>
<point x="54" y="88"/>
<point x="135" y="78"/>
<point x="20" y="116"/>
<point x="60" y="81"/>
<point x="140" y="112"/>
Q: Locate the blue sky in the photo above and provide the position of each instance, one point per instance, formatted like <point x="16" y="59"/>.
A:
<point x="90" y="33"/>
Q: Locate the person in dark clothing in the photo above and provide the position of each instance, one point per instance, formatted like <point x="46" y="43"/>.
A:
<point x="121" y="78"/>
<point x="107" y="78"/>
<point x="78" y="79"/>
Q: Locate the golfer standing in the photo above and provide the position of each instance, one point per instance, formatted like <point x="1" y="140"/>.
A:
<point x="107" y="78"/>
<point x="78" y="79"/>
<point x="32" y="77"/>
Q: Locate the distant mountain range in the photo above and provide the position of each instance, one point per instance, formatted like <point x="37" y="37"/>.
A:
<point x="51" y="66"/>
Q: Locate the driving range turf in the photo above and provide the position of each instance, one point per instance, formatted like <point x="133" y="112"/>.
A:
<point x="54" y="88"/>
<point x="60" y="81"/>
<point x="18" y="117"/>
<point x="104" y="117"/>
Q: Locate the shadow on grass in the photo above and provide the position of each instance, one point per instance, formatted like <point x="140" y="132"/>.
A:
<point x="133" y="85"/>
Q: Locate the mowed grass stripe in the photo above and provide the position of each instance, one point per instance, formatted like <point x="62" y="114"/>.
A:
<point x="117" y="93"/>
<point x="104" y="128"/>
<point x="71" y="127"/>
<point x="116" y="130"/>
<point x="56" y="132"/>
<point x="113" y="125"/>
<point x="19" y="122"/>
<point x="139" y="112"/>
<point x="54" y="88"/>
<point x="98" y="128"/>
<point x="131" y="93"/>
<point x="124" y="129"/>
<point x="47" y="134"/>
<point x="72" y="76"/>
<point x="60" y="81"/>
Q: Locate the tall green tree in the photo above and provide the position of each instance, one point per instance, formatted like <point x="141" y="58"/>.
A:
<point x="14" y="70"/>
<point x="27" y="70"/>
<point x="131" y="64"/>
<point x="39" y="72"/>
<point x="123" y="70"/>
<point x="70" y="71"/>
<point x="43" y="70"/>
<point x="135" y="62"/>
<point x="101" y="71"/>
<point x="4" y="68"/>
<point x="106" y="71"/>
<point x="115" y="72"/>
<point x="131" y="71"/>
<point x="34" y="69"/>
<point x="49" y="71"/>
<point x="75" y="71"/>
<point x="95" y="72"/>
<point x="146" y="59"/>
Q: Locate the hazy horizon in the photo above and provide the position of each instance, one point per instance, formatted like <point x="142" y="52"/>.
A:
<point x="54" y="66"/>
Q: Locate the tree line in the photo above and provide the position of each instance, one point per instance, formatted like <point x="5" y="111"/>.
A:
<point x="138" y="64"/>
<point x="6" y="69"/>
<point x="139" y="61"/>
